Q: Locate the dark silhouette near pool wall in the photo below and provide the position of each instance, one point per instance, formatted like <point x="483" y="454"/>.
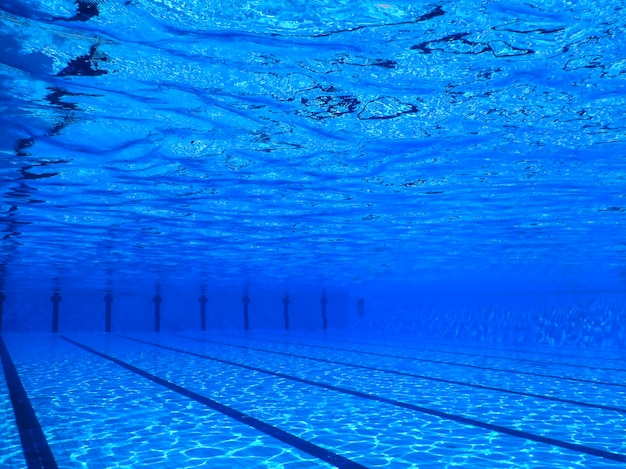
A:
<point x="286" y="302"/>
<point x="360" y="307"/>
<point x="203" y="302"/>
<point x="324" y="302"/>
<point x="157" y="312"/>
<point x="246" y="301"/>
<point x="56" y="299"/>
<point x="108" y="299"/>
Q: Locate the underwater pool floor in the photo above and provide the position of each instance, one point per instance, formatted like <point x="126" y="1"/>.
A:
<point x="274" y="400"/>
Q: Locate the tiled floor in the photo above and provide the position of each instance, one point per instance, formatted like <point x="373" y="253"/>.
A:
<point x="279" y="400"/>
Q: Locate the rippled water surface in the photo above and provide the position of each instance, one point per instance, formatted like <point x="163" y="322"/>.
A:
<point x="325" y="140"/>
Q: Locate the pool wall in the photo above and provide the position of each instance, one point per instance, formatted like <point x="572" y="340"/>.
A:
<point x="569" y="318"/>
<point x="133" y="310"/>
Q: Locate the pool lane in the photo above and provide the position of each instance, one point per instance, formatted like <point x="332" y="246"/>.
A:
<point x="609" y="358"/>
<point x="621" y="410"/>
<point x="11" y="452"/>
<point x="587" y="391"/>
<point x="606" y="354"/>
<point x="371" y="432"/>
<point x="98" y="415"/>
<point x="291" y="440"/>
<point x="361" y="386"/>
<point x="589" y="375"/>
<point x="34" y="443"/>
<point x="576" y="361"/>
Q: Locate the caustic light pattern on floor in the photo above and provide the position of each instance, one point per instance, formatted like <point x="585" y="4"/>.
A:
<point x="287" y="400"/>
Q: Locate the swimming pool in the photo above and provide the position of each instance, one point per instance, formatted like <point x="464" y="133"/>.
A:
<point x="309" y="400"/>
<point x="312" y="233"/>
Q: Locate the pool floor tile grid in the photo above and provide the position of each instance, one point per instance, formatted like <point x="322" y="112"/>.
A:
<point x="97" y="415"/>
<point x="553" y="419"/>
<point x="613" y="394"/>
<point x="446" y="432"/>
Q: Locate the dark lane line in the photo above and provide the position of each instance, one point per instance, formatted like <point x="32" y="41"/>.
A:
<point x="34" y="444"/>
<point x="443" y="362"/>
<point x="554" y="354"/>
<point x="493" y="347"/>
<point x="469" y="354"/>
<point x="292" y="440"/>
<point x="412" y="375"/>
<point x="424" y="410"/>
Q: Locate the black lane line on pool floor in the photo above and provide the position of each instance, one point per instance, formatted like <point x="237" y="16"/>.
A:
<point x="424" y="410"/>
<point x="540" y="352"/>
<point x="291" y="440"/>
<point x="491" y="346"/>
<point x="518" y="350"/>
<point x="468" y="354"/>
<point x="443" y="362"/>
<point x="34" y="444"/>
<point x="412" y="375"/>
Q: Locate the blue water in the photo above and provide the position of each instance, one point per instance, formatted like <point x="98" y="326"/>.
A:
<point x="401" y="225"/>
<point x="351" y="142"/>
